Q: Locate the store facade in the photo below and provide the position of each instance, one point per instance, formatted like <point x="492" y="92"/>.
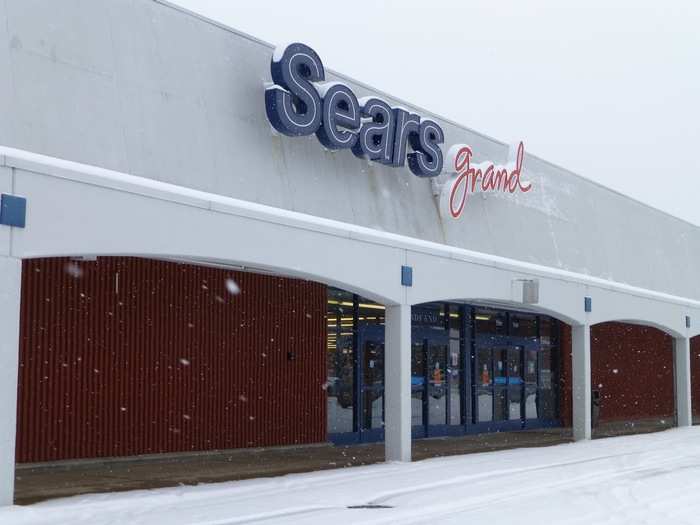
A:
<point x="396" y="275"/>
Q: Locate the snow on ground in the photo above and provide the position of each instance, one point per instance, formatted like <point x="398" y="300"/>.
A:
<point x="652" y="478"/>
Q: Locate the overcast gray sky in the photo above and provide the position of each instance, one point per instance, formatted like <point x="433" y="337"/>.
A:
<point x="608" y="89"/>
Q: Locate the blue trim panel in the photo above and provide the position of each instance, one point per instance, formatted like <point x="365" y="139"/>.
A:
<point x="13" y="210"/>
<point x="419" y="431"/>
<point x="406" y="276"/>
<point x="375" y="435"/>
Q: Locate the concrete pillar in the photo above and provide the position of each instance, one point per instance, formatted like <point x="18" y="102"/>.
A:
<point x="581" y="380"/>
<point x="681" y="368"/>
<point x="10" y="288"/>
<point x="397" y="381"/>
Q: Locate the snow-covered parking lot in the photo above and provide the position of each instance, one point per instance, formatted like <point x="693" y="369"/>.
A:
<point x="652" y="478"/>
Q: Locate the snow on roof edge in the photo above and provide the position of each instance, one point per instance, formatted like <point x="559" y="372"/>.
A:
<point x="15" y="157"/>
<point x="440" y="118"/>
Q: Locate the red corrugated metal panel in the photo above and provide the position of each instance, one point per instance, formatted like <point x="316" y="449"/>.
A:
<point x="695" y="374"/>
<point x="125" y="356"/>
<point x="631" y="366"/>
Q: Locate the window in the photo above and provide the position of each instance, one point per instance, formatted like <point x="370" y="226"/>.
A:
<point x="523" y="325"/>
<point x="514" y="376"/>
<point x="340" y="361"/>
<point x="489" y="322"/>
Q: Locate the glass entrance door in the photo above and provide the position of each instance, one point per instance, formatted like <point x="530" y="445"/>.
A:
<point x="530" y="381"/>
<point x="499" y="382"/>
<point x="437" y="379"/>
<point x="372" y="374"/>
<point x="430" y="380"/>
<point x="370" y="382"/>
<point x="514" y="356"/>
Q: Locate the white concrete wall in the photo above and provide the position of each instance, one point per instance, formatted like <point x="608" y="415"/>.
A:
<point x="397" y="373"/>
<point x="75" y="209"/>
<point x="145" y="88"/>
<point x="682" y="381"/>
<point x="10" y="286"/>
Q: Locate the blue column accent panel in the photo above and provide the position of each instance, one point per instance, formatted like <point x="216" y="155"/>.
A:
<point x="13" y="210"/>
<point x="588" y="304"/>
<point x="687" y="321"/>
<point x="407" y="276"/>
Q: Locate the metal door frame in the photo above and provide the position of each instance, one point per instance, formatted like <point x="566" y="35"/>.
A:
<point x="470" y="341"/>
<point x="505" y="342"/>
<point x="425" y="429"/>
<point x="365" y="333"/>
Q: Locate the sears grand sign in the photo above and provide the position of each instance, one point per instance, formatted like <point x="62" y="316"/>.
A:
<point x="301" y="102"/>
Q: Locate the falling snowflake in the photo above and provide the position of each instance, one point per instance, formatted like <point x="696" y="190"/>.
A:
<point x="184" y="362"/>
<point x="232" y="287"/>
<point x="74" y="270"/>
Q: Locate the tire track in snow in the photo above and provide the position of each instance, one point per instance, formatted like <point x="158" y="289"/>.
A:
<point x="485" y="501"/>
<point x="479" y="502"/>
<point x="366" y="479"/>
<point x="343" y="477"/>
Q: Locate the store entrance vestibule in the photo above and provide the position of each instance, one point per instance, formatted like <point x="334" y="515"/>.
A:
<point x="473" y="369"/>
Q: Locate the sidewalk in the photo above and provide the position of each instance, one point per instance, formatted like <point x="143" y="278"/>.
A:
<point x="652" y="478"/>
<point x="40" y="482"/>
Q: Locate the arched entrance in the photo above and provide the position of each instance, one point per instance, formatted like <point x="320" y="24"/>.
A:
<point x="474" y="369"/>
